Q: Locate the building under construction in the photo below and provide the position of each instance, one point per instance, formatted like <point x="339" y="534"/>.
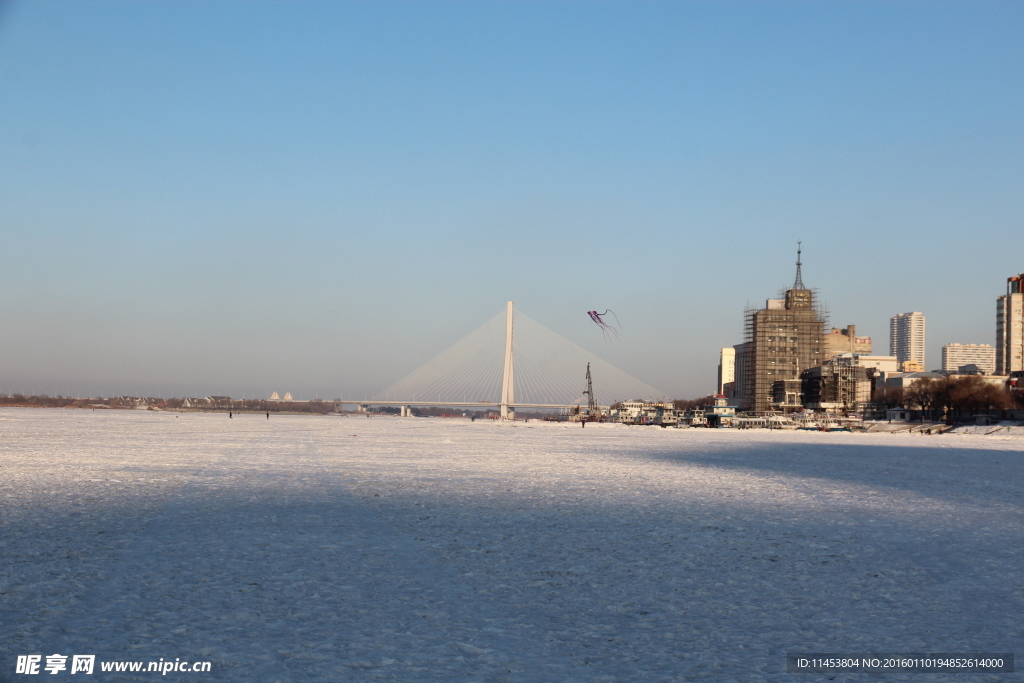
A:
<point x="840" y="385"/>
<point x="781" y="340"/>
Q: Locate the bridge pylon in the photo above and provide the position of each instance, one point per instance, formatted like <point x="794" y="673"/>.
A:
<point x="509" y="362"/>
<point x="508" y="380"/>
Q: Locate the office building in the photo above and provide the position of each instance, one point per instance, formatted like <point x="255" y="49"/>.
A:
<point x="906" y="338"/>
<point x="955" y="356"/>
<point x="839" y="341"/>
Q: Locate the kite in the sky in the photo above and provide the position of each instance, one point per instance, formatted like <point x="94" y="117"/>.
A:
<point x="605" y="327"/>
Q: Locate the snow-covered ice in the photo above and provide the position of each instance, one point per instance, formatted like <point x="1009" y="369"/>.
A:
<point x="351" y="549"/>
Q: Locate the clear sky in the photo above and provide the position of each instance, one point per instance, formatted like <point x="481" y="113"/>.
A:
<point x="246" y="197"/>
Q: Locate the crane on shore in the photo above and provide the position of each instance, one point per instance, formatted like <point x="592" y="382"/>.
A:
<point x="591" y="403"/>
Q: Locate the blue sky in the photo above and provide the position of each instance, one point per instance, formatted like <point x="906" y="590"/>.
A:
<point x="241" y="197"/>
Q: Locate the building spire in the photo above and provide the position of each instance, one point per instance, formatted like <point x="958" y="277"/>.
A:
<point x="799" y="284"/>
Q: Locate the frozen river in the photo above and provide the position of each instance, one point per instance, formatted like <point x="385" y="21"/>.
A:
<point x="353" y="549"/>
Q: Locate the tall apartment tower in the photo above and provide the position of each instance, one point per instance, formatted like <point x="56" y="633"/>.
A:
<point x="906" y="338"/>
<point x="782" y="340"/>
<point x="1009" y="339"/>
<point x="726" y="368"/>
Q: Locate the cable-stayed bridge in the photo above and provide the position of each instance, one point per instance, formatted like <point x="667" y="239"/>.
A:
<point x="508" y="362"/>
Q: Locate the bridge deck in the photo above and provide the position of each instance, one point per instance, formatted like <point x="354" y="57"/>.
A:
<point x="458" y="404"/>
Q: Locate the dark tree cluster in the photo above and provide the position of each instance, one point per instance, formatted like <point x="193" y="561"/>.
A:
<point x="954" y="398"/>
<point x="690" y="404"/>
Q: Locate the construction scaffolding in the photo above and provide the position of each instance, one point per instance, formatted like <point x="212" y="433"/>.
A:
<point x="781" y="340"/>
<point x="837" y="386"/>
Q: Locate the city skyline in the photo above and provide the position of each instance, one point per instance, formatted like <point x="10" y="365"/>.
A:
<point x="211" y="199"/>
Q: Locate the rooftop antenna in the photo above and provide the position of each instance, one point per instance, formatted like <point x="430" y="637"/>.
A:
<point x="799" y="284"/>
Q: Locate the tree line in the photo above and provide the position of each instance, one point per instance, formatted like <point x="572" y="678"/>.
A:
<point x="951" y="398"/>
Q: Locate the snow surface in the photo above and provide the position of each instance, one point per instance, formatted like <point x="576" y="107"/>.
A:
<point x="353" y="549"/>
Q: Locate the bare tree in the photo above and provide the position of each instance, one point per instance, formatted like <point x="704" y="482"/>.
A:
<point x="890" y="397"/>
<point x="690" y="404"/>
<point x="920" y="395"/>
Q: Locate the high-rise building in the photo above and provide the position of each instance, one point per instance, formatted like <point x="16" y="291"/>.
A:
<point x="1009" y="332"/>
<point x="782" y="340"/>
<point x="741" y="370"/>
<point x="955" y="356"/>
<point x="726" y="368"/>
<point x="906" y="337"/>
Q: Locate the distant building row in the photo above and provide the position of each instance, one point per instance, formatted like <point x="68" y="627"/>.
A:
<point x="788" y="360"/>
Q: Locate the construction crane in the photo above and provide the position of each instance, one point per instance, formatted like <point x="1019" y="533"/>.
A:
<point x="591" y="403"/>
